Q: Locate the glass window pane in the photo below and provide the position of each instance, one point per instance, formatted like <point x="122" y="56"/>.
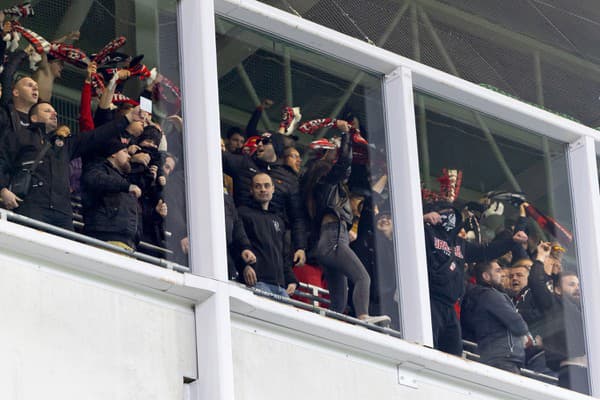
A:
<point x="485" y="183"/>
<point x="86" y="182"/>
<point x="331" y="195"/>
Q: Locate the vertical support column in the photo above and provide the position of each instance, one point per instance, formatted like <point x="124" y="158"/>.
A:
<point x="213" y="341"/>
<point x="206" y="218"/>
<point x="586" y="209"/>
<point x="147" y="31"/>
<point x="403" y="166"/>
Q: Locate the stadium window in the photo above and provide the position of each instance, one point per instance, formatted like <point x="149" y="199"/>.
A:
<point x="485" y="180"/>
<point x="75" y="49"/>
<point x="259" y="76"/>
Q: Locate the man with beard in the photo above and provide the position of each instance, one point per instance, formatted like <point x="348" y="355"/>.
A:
<point x="110" y="209"/>
<point x="34" y="163"/>
<point x="447" y="253"/>
<point x="235" y="140"/>
<point x="489" y="318"/>
<point x="564" y="338"/>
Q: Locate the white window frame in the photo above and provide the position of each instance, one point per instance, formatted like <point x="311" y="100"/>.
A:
<point x="204" y="172"/>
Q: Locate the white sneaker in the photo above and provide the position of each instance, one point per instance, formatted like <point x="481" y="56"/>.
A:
<point x="380" y="320"/>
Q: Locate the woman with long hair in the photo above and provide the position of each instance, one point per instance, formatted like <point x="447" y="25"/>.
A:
<point x="330" y="213"/>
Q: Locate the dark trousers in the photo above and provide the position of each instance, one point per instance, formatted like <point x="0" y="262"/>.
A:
<point x="339" y="264"/>
<point x="447" y="335"/>
<point x="574" y="378"/>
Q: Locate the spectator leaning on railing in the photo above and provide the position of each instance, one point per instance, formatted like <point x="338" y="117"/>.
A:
<point x="110" y="209"/>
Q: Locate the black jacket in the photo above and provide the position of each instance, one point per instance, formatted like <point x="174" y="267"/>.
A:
<point x="526" y="305"/>
<point x="286" y="200"/>
<point x="235" y="234"/>
<point x="265" y="231"/>
<point x="50" y="182"/>
<point x="446" y="257"/>
<point x="489" y="317"/>
<point x="330" y="193"/>
<point x="176" y="221"/>
<point x="563" y="333"/>
<point x="110" y="212"/>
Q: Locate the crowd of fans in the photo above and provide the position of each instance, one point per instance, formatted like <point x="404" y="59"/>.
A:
<point x="322" y="217"/>
<point x="498" y="285"/>
<point x="126" y="187"/>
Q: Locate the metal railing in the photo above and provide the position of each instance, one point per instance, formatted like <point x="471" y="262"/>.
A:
<point x="33" y="223"/>
<point x="469" y="348"/>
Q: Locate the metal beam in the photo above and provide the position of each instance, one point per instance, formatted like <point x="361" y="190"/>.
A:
<point x="539" y="88"/>
<point x="287" y="73"/>
<point x="484" y="127"/>
<point x="483" y="28"/>
<point x="359" y="76"/>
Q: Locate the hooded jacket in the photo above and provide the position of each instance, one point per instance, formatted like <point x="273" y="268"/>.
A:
<point x="489" y="317"/>
<point x="446" y="257"/>
<point x="286" y="200"/>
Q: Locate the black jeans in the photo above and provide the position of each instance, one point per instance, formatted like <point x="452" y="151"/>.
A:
<point x="447" y="335"/>
<point x="339" y="264"/>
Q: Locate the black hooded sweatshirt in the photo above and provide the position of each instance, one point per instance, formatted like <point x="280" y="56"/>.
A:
<point x="265" y="230"/>
<point x="447" y="254"/>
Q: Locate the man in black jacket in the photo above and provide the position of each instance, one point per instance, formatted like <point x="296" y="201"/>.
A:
<point x="265" y="232"/>
<point x="48" y="199"/>
<point x="489" y="317"/>
<point x="447" y="253"/>
<point x="110" y="208"/>
<point x="286" y="199"/>
<point x="563" y="333"/>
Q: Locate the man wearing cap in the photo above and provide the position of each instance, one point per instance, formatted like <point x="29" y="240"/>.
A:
<point x="110" y="209"/>
<point x="46" y="196"/>
<point x="286" y="200"/>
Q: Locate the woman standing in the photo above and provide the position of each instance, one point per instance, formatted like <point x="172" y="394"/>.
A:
<point x="328" y="206"/>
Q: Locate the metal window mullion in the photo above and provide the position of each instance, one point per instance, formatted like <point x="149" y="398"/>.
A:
<point x="204" y="179"/>
<point x="403" y="167"/>
<point x="586" y="213"/>
<point x="204" y="189"/>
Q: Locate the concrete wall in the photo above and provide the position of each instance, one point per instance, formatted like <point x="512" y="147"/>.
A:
<point x="71" y="336"/>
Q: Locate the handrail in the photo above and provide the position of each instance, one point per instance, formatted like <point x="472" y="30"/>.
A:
<point x="324" y="311"/>
<point x="21" y="219"/>
<point x="467" y="354"/>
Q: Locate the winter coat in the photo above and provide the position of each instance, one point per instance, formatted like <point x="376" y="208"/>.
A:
<point x="110" y="212"/>
<point x="286" y="200"/>
<point x="265" y="230"/>
<point x="50" y="182"/>
<point x="489" y="317"/>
